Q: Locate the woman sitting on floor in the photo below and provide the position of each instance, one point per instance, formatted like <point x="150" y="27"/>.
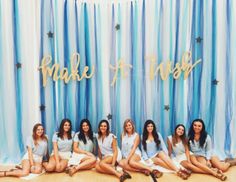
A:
<point x="201" y="147"/>
<point x="153" y="148"/>
<point x="108" y="152"/>
<point x="37" y="145"/>
<point x="131" y="154"/>
<point x="83" y="148"/>
<point x="179" y="151"/>
<point x="62" y="147"/>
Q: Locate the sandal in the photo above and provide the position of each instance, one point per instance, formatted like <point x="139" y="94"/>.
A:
<point x="127" y="174"/>
<point x="123" y="177"/>
<point x="186" y="171"/>
<point x="146" y="172"/>
<point x="72" y="171"/>
<point x="222" y="177"/>
<point x="157" y="173"/>
<point x="153" y="177"/>
<point x="182" y="175"/>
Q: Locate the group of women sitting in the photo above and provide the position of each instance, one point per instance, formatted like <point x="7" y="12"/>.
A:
<point x="73" y="152"/>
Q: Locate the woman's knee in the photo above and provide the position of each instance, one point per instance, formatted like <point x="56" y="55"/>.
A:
<point x="50" y="168"/>
<point x="25" y="173"/>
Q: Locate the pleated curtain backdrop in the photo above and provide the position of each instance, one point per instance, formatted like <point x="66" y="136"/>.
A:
<point x="104" y="32"/>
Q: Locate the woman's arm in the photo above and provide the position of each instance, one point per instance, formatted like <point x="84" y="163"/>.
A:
<point x="55" y="151"/>
<point x="30" y="154"/>
<point x="115" y="151"/>
<point x="76" y="149"/>
<point x="99" y="153"/>
<point x="169" y="145"/>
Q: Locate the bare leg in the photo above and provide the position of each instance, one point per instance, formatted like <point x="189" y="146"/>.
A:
<point x="192" y="167"/>
<point x="136" y="164"/>
<point x="204" y="167"/>
<point x="51" y="165"/>
<point x="37" y="168"/>
<point x="104" y="166"/>
<point x="63" y="165"/>
<point x="223" y="166"/>
<point x="86" y="163"/>
<point x="20" y="173"/>
<point x="168" y="161"/>
<point x="160" y="162"/>
<point x="125" y="165"/>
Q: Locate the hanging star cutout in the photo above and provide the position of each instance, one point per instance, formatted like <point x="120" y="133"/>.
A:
<point x="109" y="116"/>
<point x="50" y="34"/>
<point x="117" y="26"/>
<point x="199" y="39"/>
<point x="167" y="107"/>
<point x="42" y="107"/>
<point x="18" y="65"/>
<point x="215" y="82"/>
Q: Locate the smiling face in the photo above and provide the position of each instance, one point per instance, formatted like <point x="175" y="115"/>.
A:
<point x="39" y="131"/>
<point x="103" y="128"/>
<point x="129" y="128"/>
<point x="150" y="128"/>
<point x="179" y="131"/>
<point x="66" y="127"/>
<point x="85" y="127"/>
<point x="197" y="127"/>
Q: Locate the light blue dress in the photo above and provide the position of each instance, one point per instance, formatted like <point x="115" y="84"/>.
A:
<point x="40" y="149"/>
<point x="64" y="145"/>
<point x="205" y="151"/>
<point x="86" y="147"/>
<point x="127" y="145"/>
<point x="152" y="149"/>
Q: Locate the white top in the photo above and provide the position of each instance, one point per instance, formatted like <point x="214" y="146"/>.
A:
<point x="106" y="145"/>
<point x="64" y="145"/>
<point x="127" y="145"/>
<point x="40" y="149"/>
<point x="87" y="147"/>
<point x="178" y="149"/>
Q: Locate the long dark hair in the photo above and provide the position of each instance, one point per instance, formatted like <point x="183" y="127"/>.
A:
<point x="182" y="137"/>
<point x="81" y="134"/>
<point x="43" y="137"/>
<point x="154" y="133"/>
<point x="203" y="133"/>
<point x="61" y="129"/>
<point x="108" y="128"/>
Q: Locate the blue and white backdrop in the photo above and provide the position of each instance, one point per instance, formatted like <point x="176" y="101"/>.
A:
<point x="104" y="32"/>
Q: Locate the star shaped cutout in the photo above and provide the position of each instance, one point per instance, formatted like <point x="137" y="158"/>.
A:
<point x="42" y="107"/>
<point x="167" y="107"/>
<point x="50" y="34"/>
<point x="199" y="39"/>
<point x="109" y="116"/>
<point x="117" y="26"/>
<point x="18" y="65"/>
<point x="215" y="82"/>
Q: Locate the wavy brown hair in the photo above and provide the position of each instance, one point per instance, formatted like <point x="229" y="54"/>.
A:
<point x="182" y="137"/>
<point x="43" y="136"/>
